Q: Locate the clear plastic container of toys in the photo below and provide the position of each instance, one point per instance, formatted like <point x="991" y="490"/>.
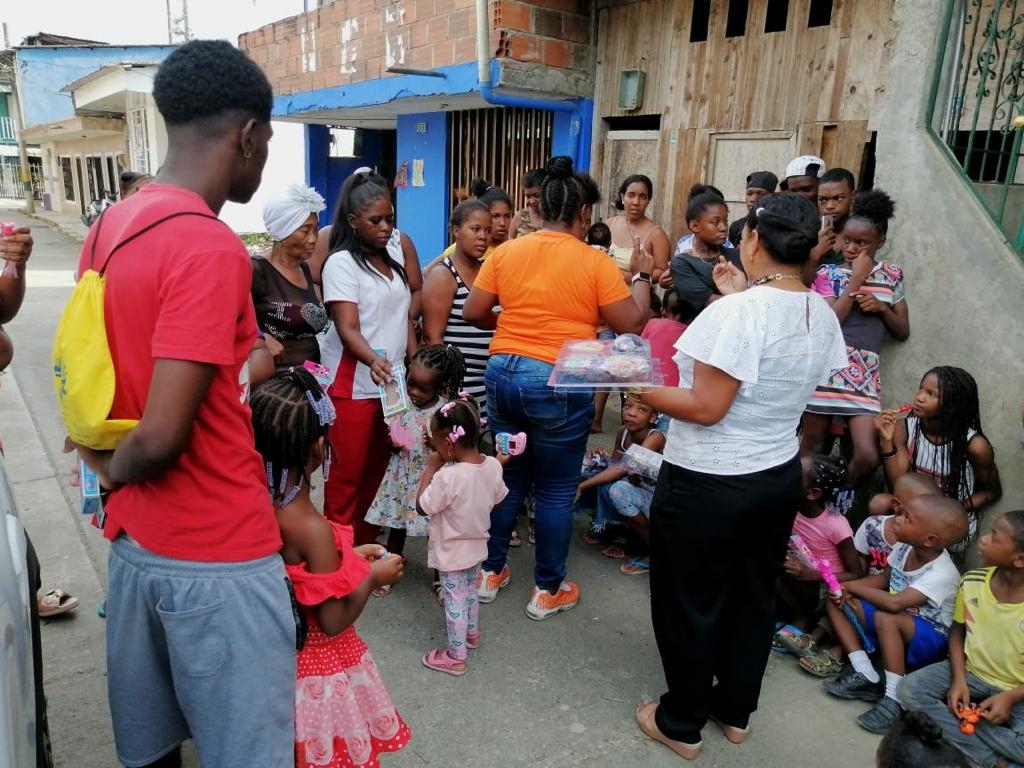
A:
<point x="597" y="364"/>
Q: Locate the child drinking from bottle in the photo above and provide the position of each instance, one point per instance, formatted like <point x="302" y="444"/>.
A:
<point x="343" y="713"/>
<point x="457" y="492"/>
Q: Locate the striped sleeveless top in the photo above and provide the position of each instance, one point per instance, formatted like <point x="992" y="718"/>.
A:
<point x="471" y="341"/>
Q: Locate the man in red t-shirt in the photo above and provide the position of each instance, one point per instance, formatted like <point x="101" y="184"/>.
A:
<point x="200" y="629"/>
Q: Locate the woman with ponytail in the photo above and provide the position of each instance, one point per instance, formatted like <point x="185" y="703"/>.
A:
<point x="552" y="287"/>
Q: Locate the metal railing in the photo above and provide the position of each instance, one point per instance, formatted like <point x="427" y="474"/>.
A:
<point x="7" y="135"/>
<point x="977" y="105"/>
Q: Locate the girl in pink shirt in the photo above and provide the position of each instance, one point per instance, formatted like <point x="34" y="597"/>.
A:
<point x="663" y="333"/>
<point x="457" y="492"/>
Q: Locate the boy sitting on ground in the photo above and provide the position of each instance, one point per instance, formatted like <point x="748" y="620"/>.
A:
<point x="986" y="646"/>
<point x="905" y="610"/>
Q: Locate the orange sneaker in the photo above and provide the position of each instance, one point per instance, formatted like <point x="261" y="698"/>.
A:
<point x="489" y="583"/>
<point x="544" y="604"/>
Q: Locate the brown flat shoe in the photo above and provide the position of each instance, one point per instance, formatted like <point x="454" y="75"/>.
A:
<point x="733" y="733"/>
<point x="645" y="719"/>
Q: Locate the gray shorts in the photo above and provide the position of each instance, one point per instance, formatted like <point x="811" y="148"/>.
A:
<point x="200" y="650"/>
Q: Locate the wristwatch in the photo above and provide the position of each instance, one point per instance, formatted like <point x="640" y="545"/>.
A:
<point x="645" y="276"/>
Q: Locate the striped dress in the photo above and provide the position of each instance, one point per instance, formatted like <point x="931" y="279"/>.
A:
<point x="473" y="342"/>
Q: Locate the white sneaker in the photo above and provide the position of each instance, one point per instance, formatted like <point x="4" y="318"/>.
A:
<point x="489" y="583"/>
<point x="544" y="604"/>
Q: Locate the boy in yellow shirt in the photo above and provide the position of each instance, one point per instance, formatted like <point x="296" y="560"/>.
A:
<point x="986" y="655"/>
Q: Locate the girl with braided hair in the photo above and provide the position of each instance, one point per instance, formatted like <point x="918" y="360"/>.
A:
<point x="942" y="438"/>
<point x="869" y="299"/>
<point x="435" y="377"/>
<point x="552" y="287"/>
<point x="343" y="713"/>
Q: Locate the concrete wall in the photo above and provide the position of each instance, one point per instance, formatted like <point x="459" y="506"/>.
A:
<point x="965" y="285"/>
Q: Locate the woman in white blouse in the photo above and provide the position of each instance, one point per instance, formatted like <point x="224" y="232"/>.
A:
<point x="731" y="480"/>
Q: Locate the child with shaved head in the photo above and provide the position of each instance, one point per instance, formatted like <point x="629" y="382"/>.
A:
<point x="905" y="610"/>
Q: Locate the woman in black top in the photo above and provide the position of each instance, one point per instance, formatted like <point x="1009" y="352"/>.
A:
<point x="288" y="309"/>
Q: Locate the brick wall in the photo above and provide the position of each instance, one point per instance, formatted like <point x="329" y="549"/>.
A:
<point x="351" y="41"/>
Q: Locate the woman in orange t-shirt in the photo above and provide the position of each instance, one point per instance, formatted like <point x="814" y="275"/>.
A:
<point x="552" y="288"/>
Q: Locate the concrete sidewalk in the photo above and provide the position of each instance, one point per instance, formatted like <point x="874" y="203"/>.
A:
<point x="559" y="693"/>
<point x="70" y="225"/>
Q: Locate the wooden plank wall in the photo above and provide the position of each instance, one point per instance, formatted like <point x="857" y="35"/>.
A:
<point x="825" y="84"/>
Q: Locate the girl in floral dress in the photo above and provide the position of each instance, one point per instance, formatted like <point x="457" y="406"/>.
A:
<point x="344" y="716"/>
<point x="435" y="376"/>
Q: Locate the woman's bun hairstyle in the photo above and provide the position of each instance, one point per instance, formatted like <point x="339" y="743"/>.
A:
<point x="702" y="197"/>
<point x="874" y="206"/>
<point x="787" y="225"/>
<point x="559" y="167"/>
<point x="478" y="187"/>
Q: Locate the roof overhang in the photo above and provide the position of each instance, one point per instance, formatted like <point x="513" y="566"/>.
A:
<point x="107" y="90"/>
<point x="74" y="129"/>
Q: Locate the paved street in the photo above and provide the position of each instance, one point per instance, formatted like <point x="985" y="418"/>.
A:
<point x="558" y="693"/>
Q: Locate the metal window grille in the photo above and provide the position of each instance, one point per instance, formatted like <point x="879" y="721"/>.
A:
<point x="499" y="145"/>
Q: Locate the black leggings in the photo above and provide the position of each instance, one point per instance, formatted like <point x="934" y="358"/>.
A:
<point x="717" y="547"/>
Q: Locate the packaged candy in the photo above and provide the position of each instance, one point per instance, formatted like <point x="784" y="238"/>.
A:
<point x="11" y="268"/>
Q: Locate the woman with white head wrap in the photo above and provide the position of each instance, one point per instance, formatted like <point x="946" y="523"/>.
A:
<point x="288" y="309"/>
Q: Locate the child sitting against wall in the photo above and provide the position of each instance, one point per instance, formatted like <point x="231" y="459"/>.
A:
<point x="905" y="611"/>
<point x="829" y="537"/>
<point x="602" y="473"/>
<point x="873" y="543"/>
<point x="985" y="648"/>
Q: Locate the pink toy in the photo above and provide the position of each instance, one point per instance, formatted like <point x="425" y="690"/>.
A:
<point x="905" y="410"/>
<point x="509" y="444"/>
<point x="834" y="588"/>
<point x="321" y="373"/>
<point x="401" y="436"/>
<point x="10" y="267"/>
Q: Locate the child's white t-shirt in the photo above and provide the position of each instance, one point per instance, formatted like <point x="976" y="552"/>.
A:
<point x="937" y="580"/>
<point x="870" y="540"/>
<point x="383" y="320"/>
<point x="458" y="502"/>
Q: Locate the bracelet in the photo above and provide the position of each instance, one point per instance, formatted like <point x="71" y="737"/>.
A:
<point x="888" y="454"/>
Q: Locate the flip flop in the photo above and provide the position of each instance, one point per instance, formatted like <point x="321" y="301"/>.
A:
<point x="614" y="551"/>
<point x="515" y="540"/>
<point x="440" y="661"/>
<point x="645" y="719"/>
<point x="635" y="567"/>
<point x="592" y="539"/>
<point x="55" y="603"/>
<point x="382" y="591"/>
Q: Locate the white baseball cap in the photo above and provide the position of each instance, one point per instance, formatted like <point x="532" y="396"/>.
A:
<point x="805" y="165"/>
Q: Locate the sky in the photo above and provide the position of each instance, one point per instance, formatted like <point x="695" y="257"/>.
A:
<point x="140" y="21"/>
<point x="124" y="22"/>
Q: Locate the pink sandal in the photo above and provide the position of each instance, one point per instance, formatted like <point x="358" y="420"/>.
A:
<point x="439" y="661"/>
<point x="472" y="640"/>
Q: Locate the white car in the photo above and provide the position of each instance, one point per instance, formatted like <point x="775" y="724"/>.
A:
<point x="17" y="686"/>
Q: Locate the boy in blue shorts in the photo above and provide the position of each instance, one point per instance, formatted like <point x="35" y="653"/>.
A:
<point x="986" y="645"/>
<point x="905" y="610"/>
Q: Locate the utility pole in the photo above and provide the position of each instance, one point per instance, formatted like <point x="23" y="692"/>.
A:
<point x="170" y="25"/>
<point x="26" y="172"/>
<point x="184" y="20"/>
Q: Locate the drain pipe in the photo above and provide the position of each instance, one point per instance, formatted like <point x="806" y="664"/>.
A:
<point x="506" y="100"/>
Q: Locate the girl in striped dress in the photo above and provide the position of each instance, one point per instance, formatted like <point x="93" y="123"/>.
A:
<point x="869" y="299"/>
<point x="446" y="289"/>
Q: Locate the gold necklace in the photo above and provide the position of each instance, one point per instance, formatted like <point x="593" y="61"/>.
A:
<point x="777" y="276"/>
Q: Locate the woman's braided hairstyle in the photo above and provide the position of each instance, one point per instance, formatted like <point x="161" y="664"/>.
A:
<point x="564" y="192"/>
<point x="287" y="425"/>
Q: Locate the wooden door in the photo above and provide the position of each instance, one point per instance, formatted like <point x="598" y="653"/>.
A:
<point x="626" y="153"/>
<point x="733" y="156"/>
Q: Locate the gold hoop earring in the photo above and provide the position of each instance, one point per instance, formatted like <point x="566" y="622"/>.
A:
<point x="247" y="156"/>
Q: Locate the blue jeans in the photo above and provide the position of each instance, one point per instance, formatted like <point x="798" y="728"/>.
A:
<point x="926" y="689"/>
<point x="557" y="424"/>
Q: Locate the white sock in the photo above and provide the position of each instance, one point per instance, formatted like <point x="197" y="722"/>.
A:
<point x="861" y="663"/>
<point x="891" y="681"/>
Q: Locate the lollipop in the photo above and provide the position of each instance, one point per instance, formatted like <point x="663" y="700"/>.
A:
<point x="905" y="410"/>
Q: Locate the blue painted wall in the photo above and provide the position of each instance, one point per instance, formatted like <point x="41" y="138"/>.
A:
<point x="44" y="71"/>
<point x="326" y="174"/>
<point x="423" y="211"/>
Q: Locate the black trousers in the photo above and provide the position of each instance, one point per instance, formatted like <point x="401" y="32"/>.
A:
<point x="717" y="547"/>
<point x="44" y="752"/>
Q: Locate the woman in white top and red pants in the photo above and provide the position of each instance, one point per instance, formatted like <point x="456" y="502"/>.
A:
<point x="748" y="365"/>
<point x="366" y="285"/>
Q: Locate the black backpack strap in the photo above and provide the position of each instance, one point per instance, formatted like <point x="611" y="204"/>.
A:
<point x="144" y="230"/>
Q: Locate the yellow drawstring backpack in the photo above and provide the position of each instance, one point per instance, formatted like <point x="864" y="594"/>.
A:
<point x="83" y="370"/>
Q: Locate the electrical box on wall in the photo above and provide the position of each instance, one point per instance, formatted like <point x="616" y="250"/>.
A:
<point x="631" y="89"/>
